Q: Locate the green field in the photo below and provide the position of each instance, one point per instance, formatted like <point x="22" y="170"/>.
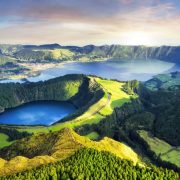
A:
<point x="93" y="135"/>
<point x="4" y="140"/>
<point x="165" y="151"/>
<point x="118" y="96"/>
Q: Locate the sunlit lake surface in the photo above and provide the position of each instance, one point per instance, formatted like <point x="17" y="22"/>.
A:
<point x="37" y="113"/>
<point x="140" y="70"/>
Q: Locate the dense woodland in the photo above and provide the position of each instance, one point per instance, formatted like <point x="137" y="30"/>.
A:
<point x="92" y="164"/>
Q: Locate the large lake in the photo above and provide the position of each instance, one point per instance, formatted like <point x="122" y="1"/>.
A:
<point x="37" y="113"/>
<point x="140" y="70"/>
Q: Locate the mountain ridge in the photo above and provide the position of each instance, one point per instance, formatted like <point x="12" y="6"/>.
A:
<point x="92" y="52"/>
<point x="51" y="147"/>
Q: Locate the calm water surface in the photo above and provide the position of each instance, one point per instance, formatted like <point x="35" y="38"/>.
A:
<point x="140" y="70"/>
<point x="37" y="113"/>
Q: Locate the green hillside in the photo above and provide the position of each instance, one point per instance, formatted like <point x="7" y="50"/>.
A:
<point x="92" y="164"/>
<point x="56" y="146"/>
<point x="112" y="109"/>
<point x="41" y="55"/>
<point x="162" y="150"/>
<point x="60" y="89"/>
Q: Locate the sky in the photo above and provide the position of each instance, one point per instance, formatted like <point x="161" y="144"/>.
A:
<point x="82" y="22"/>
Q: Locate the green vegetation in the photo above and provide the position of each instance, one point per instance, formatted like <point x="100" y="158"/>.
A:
<point x="164" y="81"/>
<point x="44" y="55"/>
<point x="101" y="165"/>
<point x="97" y="108"/>
<point x="93" y="135"/>
<point x="118" y="96"/>
<point x="162" y="150"/>
<point x="112" y="109"/>
<point x="154" y="111"/>
<point x="56" y="146"/>
<point x="8" y="135"/>
<point x="4" y="140"/>
<point x="62" y="89"/>
<point x="60" y="54"/>
<point x="90" y="52"/>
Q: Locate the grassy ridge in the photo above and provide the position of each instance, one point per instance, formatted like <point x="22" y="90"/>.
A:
<point x="50" y="147"/>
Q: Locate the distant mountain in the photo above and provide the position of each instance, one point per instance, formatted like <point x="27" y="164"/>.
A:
<point x="92" y="52"/>
<point x="44" y="46"/>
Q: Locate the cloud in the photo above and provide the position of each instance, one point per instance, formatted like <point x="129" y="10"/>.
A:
<point x="91" y="21"/>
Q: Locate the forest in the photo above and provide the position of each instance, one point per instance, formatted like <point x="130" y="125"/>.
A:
<point x="92" y="164"/>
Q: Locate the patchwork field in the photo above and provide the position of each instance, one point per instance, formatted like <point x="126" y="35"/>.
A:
<point x="165" y="151"/>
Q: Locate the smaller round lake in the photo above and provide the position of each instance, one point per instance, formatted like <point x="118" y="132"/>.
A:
<point x="37" y="113"/>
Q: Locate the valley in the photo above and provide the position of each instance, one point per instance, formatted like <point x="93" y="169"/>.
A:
<point x="134" y="121"/>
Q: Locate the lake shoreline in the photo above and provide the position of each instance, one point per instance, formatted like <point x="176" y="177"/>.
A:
<point x="99" y="68"/>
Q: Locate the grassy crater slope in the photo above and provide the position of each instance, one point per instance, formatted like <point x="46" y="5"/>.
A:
<point x="69" y="87"/>
<point x="45" y="148"/>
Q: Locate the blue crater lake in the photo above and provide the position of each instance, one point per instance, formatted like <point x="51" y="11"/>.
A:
<point x="37" y="113"/>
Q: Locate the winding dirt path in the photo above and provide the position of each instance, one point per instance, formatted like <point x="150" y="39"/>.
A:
<point x="102" y="106"/>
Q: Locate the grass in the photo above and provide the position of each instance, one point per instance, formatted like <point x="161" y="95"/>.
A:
<point x="58" y="53"/>
<point x="93" y="135"/>
<point x="172" y="156"/>
<point x="4" y="140"/>
<point x="118" y="96"/>
<point x="161" y="148"/>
